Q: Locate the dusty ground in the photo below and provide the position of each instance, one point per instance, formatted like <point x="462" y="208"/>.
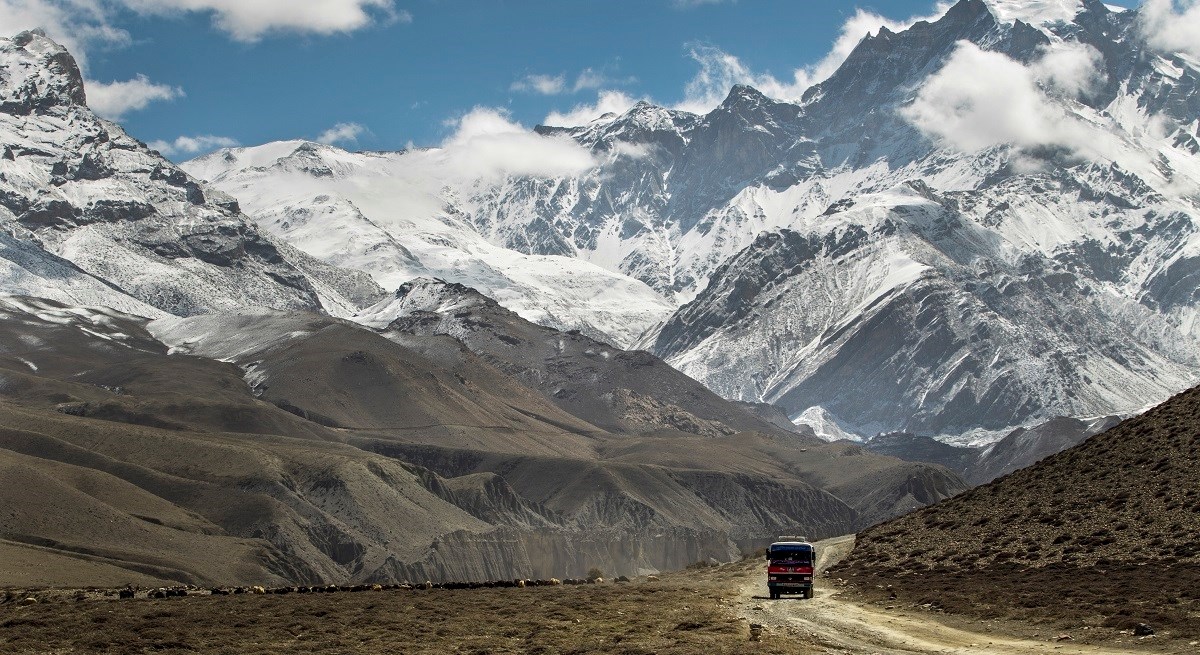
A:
<point x="842" y="619"/>
<point x="678" y="615"/>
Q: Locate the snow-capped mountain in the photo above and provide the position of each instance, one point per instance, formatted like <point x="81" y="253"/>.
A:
<point x="379" y="213"/>
<point x="959" y="274"/>
<point x="891" y="252"/>
<point x="861" y="256"/>
<point x="89" y="215"/>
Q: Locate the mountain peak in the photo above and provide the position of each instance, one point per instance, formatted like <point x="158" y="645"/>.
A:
<point x="745" y="95"/>
<point x="37" y="74"/>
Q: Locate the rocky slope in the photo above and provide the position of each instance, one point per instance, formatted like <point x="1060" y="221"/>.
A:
<point x="1109" y="523"/>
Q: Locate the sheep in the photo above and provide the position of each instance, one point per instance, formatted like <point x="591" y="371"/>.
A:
<point x="257" y="590"/>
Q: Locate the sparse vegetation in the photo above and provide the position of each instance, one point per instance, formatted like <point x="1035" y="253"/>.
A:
<point x="1102" y="535"/>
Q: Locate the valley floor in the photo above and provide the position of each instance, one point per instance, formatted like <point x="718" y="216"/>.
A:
<point x="840" y="620"/>
<point x="706" y="610"/>
<point x="681" y="614"/>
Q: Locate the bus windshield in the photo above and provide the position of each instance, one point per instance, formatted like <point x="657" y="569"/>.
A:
<point x="803" y="556"/>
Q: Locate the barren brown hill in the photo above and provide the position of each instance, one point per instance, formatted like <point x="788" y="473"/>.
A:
<point x="1102" y="534"/>
<point x="289" y="447"/>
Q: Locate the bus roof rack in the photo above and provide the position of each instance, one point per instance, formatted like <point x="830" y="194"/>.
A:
<point x="791" y="537"/>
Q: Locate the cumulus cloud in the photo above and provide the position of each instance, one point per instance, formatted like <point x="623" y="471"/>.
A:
<point x="192" y="145"/>
<point x="342" y="133"/>
<point x="113" y="100"/>
<point x="487" y="143"/>
<point x="1172" y="25"/>
<point x="607" y="102"/>
<point x="982" y="99"/>
<point x="246" y="20"/>
<point x="720" y="70"/>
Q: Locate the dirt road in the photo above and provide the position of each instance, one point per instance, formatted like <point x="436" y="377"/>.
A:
<point x="838" y="625"/>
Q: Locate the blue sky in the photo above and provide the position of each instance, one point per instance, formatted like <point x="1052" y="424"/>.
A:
<point x="395" y="72"/>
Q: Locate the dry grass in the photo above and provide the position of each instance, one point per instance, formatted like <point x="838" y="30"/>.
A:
<point x="681" y="614"/>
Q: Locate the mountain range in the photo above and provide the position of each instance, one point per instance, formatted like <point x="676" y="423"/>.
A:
<point x="296" y="363"/>
<point x="854" y="255"/>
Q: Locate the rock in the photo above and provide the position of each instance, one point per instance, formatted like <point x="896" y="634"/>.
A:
<point x="29" y="601"/>
<point x="257" y="590"/>
<point x="1142" y="630"/>
<point x="1064" y="637"/>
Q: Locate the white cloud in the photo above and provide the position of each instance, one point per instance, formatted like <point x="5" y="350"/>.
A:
<point x="720" y="70"/>
<point x="341" y="133"/>
<point x="1070" y="68"/>
<point x="191" y="145"/>
<point x="1172" y="25"/>
<point x="590" y="78"/>
<point x="487" y="144"/>
<point x="249" y="20"/>
<point x="544" y="84"/>
<point x="549" y="85"/>
<point x="607" y="102"/>
<point x="80" y="25"/>
<point x="113" y="100"/>
<point x="76" y="24"/>
<point x="982" y="99"/>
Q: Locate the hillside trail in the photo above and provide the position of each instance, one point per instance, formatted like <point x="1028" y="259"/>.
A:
<point x="838" y="625"/>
